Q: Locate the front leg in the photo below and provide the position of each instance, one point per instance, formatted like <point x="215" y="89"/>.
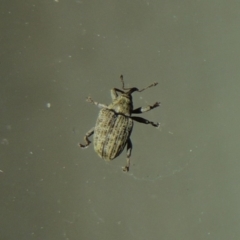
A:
<point x="87" y="141"/>
<point x="129" y="150"/>
<point x="146" y="109"/>
<point x="145" y="121"/>
<point x="100" y="105"/>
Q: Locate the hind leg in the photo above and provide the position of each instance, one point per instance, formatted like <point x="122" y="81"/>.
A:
<point x="87" y="141"/>
<point x="129" y="150"/>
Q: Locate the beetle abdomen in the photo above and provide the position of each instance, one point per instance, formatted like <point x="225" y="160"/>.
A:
<point x="111" y="133"/>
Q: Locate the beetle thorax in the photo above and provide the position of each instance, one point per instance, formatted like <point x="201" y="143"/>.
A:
<point x="122" y="104"/>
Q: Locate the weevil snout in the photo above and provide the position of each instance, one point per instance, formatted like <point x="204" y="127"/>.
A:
<point x="131" y="90"/>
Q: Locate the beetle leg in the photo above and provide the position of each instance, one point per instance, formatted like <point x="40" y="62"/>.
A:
<point x="129" y="150"/>
<point x="146" y="109"/>
<point x="100" y="105"/>
<point x="145" y="121"/>
<point x="87" y="141"/>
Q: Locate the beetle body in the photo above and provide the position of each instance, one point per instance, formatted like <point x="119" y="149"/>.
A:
<point x="114" y="125"/>
<point x="111" y="134"/>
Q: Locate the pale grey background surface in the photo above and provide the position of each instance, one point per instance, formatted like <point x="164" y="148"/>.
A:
<point x="184" y="180"/>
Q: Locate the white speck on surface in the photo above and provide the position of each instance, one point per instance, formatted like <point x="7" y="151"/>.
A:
<point x="4" y="141"/>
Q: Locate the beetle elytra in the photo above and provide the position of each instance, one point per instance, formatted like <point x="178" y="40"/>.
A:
<point x="115" y="123"/>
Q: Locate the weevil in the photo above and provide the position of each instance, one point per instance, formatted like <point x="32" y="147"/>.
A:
<point x="114" y="124"/>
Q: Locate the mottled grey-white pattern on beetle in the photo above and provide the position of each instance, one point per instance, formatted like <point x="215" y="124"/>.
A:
<point x="115" y="123"/>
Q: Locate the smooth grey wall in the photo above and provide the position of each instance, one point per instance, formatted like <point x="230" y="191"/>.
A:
<point x="184" y="179"/>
